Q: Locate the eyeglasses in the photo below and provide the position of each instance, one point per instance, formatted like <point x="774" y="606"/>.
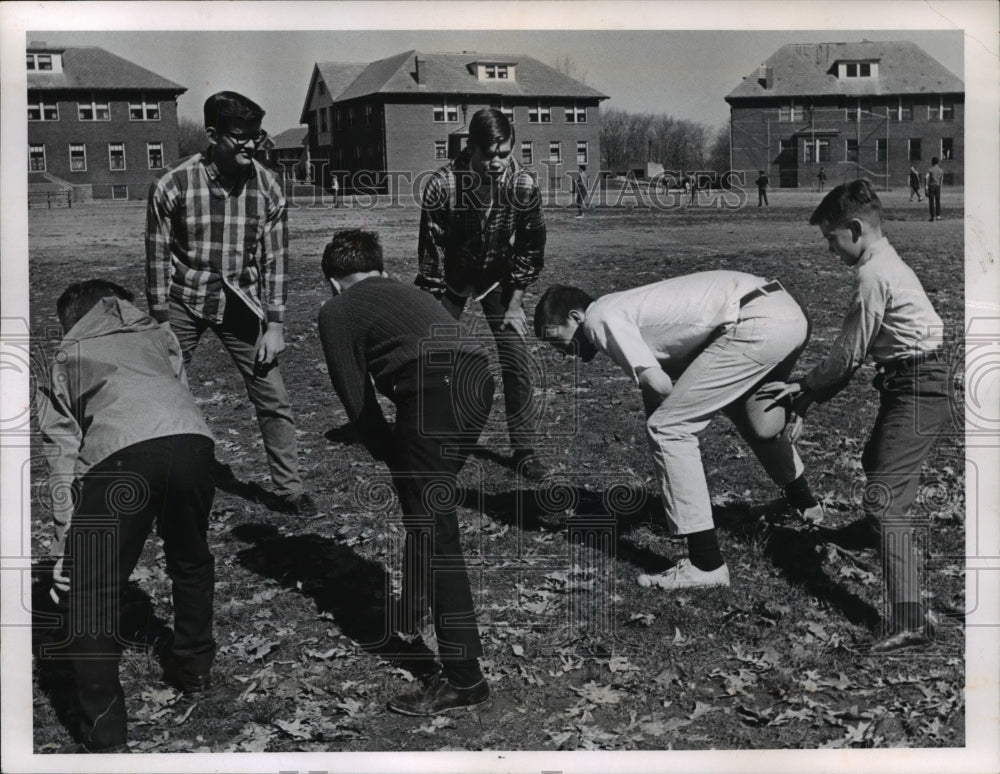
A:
<point x="240" y="141"/>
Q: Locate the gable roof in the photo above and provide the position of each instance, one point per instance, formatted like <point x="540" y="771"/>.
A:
<point x="807" y="69"/>
<point x="445" y="74"/>
<point x="290" y="138"/>
<point x="89" y="67"/>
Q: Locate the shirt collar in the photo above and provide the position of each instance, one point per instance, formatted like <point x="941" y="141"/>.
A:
<point x="212" y="169"/>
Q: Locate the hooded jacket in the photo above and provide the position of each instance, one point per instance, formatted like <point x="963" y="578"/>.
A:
<point x="117" y="379"/>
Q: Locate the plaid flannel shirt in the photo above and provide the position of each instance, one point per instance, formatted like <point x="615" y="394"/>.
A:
<point x="202" y="239"/>
<point x="460" y="249"/>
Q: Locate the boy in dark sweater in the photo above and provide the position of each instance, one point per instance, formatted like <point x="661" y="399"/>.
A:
<point x="379" y="334"/>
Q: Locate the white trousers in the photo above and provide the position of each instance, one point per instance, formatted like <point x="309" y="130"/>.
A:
<point x="761" y="347"/>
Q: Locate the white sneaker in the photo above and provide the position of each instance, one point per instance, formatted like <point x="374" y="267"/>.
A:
<point x="685" y="575"/>
<point x="813" y="515"/>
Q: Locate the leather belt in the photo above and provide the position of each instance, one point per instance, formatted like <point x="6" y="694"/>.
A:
<point x="770" y="287"/>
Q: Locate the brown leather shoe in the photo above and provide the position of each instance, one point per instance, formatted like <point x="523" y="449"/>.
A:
<point x="437" y="695"/>
<point x="186" y="682"/>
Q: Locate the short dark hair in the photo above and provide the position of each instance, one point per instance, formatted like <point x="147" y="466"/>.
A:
<point x="489" y="127"/>
<point x="350" y="251"/>
<point x="856" y="199"/>
<point x="934" y="160"/>
<point x="225" y="107"/>
<point x="556" y="303"/>
<point x="80" y="297"/>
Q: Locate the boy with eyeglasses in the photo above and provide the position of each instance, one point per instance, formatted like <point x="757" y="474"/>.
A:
<point x="217" y="257"/>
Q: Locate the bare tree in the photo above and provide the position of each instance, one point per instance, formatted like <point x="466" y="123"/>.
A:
<point x="718" y="156"/>
<point x="628" y="139"/>
<point x="190" y="137"/>
<point x="568" y="66"/>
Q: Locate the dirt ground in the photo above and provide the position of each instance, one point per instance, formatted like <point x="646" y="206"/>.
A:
<point x="578" y="655"/>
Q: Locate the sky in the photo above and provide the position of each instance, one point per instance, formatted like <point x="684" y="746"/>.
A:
<point x="682" y="73"/>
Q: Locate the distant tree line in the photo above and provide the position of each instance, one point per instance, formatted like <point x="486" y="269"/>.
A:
<point x="629" y="139"/>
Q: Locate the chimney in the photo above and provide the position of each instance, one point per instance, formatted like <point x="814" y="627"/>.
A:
<point x="416" y="64"/>
<point x="765" y="76"/>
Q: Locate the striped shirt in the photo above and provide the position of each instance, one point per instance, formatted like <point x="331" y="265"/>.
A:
<point x="202" y="238"/>
<point x="467" y="247"/>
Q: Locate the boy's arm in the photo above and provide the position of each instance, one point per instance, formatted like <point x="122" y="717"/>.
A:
<point x="159" y="235"/>
<point x="274" y="255"/>
<point x="655" y="386"/>
<point x="434" y="217"/>
<point x="528" y="256"/>
<point x="61" y="441"/>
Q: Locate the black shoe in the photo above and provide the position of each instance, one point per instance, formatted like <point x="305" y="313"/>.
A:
<point x="908" y="639"/>
<point x="297" y="504"/>
<point x="437" y="695"/>
<point x="531" y="466"/>
<point x="187" y="682"/>
<point x="863" y="533"/>
<point x="112" y="750"/>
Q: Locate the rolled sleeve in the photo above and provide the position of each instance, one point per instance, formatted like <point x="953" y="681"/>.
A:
<point x="620" y="338"/>
<point x="433" y="233"/>
<point x="274" y="256"/>
<point x="159" y="236"/>
<point x="528" y="258"/>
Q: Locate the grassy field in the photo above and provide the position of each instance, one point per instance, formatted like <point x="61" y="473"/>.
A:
<point x="578" y="655"/>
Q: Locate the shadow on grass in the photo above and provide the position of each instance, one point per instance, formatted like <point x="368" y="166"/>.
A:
<point x="617" y="510"/>
<point x="139" y="628"/>
<point x="354" y="590"/>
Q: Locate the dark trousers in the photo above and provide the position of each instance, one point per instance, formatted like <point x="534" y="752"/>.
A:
<point x="435" y="428"/>
<point x="165" y="482"/>
<point x="762" y="197"/>
<point x="515" y="372"/>
<point x="239" y="332"/>
<point x="914" y="409"/>
<point x="934" y="200"/>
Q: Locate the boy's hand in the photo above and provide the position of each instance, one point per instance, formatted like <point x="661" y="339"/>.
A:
<point x="514" y="318"/>
<point x="271" y="344"/>
<point x="655" y="386"/>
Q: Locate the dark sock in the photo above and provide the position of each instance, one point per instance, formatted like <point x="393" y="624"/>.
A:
<point x="703" y="550"/>
<point x="908" y="615"/>
<point x="798" y="494"/>
<point x="463" y="674"/>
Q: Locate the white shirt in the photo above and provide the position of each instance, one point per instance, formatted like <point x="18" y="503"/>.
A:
<point x="664" y="324"/>
<point x="890" y="317"/>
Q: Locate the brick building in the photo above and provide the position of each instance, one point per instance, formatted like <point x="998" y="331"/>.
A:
<point x="869" y="109"/>
<point x="288" y="154"/>
<point x="382" y="124"/>
<point x="98" y="124"/>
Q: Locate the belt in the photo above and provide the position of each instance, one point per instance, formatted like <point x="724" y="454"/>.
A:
<point x="770" y="287"/>
<point x="913" y="360"/>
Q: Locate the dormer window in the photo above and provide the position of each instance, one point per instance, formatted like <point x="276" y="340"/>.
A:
<point x="45" y="63"/>
<point x="857" y="69"/>
<point x="494" y="71"/>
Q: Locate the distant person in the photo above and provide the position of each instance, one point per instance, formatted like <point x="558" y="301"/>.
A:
<point x="821" y="179"/>
<point x="762" y="183"/>
<point x="892" y="320"/>
<point x="335" y="190"/>
<point x="692" y="189"/>
<point x="915" y="184"/>
<point x="378" y="334"/>
<point x="217" y="258"/>
<point x="482" y="236"/>
<point x="694" y="345"/>
<point x="580" y="187"/>
<point x="119" y="426"/>
<point x="934" y="178"/>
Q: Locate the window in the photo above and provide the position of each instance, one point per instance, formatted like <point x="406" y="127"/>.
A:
<point x="95" y="110"/>
<point x="913" y="149"/>
<point x="116" y="155"/>
<point x="77" y="157"/>
<point x="901" y="111"/>
<point x="498" y="72"/>
<point x="817" y="150"/>
<point x="576" y="115"/>
<point x="320" y="87"/>
<point x="143" y="109"/>
<point x="440" y="149"/>
<point x="851" y="152"/>
<point x="44" y="61"/>
<point x="947" y="148"/>
<point x="154" y="153"/>
<point x="509" y="112"/>
<point x="790" y="112"/>
<point x="30" y="64"/>
<point x="555" y="152"/>
<point x="368" y="115"/>
<point x="854" y="111"/>
<point x="43" y="110"/>
<point x="857" y="69"/>
<point x="446" y="113"/>
<point x="119" y="192"/>
<point x="940" y="110"/>
<point x="336" y="117"/>
<point x="36" y="158"/>
<point x="881" y="149"/>
<point x="322" y="120"/>
<point x="539" y="115"/>
<point x="581" y="152"/>
<point x="527" y="155"/>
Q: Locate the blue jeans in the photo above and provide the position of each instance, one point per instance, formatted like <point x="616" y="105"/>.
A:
<point x="239" y="332"/>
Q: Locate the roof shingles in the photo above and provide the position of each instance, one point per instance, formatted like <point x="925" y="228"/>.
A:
<point x="89" y="67"/>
